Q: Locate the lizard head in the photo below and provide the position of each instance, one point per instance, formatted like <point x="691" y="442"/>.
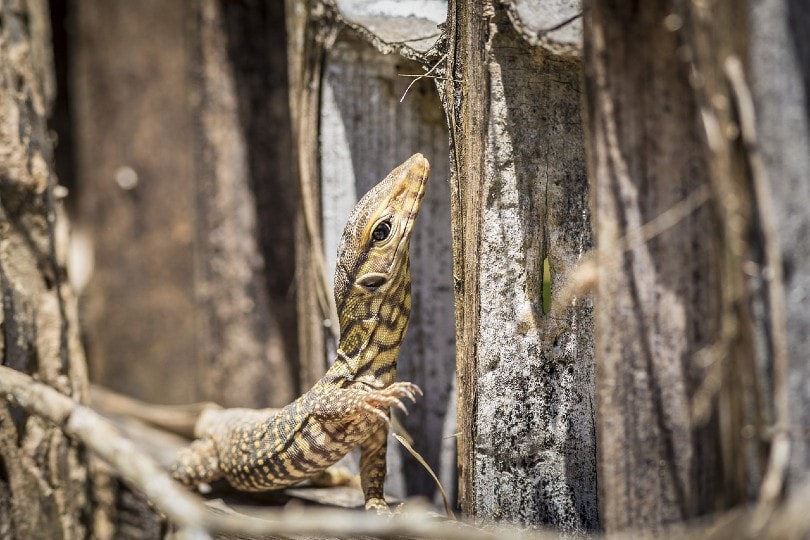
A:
<point x="373" y="263"/>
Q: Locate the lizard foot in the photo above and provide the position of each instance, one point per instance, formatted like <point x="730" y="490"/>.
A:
<point x="391" y="396"/>
<point x="378" y="505"/>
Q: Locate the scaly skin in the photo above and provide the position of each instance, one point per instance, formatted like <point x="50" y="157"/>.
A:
<point x="258" y="450"/>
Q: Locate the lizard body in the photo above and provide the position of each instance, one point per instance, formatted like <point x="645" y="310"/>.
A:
<point x="258" y="450"/>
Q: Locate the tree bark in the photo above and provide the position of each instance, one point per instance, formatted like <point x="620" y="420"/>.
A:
<point x="184" y="160"/>
<point x="692" y="363"/>
<point x="44" y="481"/>
<point x="655" y="307"/>
<point x="308" y="34"/>
<point x="520" y="197"/>
<point x="780" y="82"/>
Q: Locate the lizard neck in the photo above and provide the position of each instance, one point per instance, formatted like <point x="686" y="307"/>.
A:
<point x="372" y="328"/>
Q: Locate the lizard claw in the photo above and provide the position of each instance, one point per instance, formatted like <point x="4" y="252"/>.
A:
<point x="386" y="401"/>
<point x="374" y="410"/>
<point x="391" y="397"/>
<point x="406" y="389"/>
<point x="401" y="406"/>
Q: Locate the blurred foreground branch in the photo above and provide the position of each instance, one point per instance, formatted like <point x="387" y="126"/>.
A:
<point x="189" y="512"/>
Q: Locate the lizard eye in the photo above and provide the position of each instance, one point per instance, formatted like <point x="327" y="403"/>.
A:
<point x="381" y="231"/>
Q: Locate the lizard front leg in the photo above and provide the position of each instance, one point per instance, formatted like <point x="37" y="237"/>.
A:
<point x="355" y="404"/>
<point x="373" y="469"/>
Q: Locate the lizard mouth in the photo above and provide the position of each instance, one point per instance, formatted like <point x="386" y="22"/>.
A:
<point x="413" y="211"/>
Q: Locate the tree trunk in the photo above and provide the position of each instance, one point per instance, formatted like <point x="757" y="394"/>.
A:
<point x="44" y="482"/>
<point x="691" y="340"/>
<point x="185" y="171"/>
<point x="656" y="308"/>
<point x="307" y="38"/>
<point x="520" y="197"/>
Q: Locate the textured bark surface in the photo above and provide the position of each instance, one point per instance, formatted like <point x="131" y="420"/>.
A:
<point x="520" y="196"/>
<point x="44" y="483"/>
<point x="555" y="24"/>
<point x="243" y="357"/>
<point x="365" y="132"/>
<point x="184" y="165"/>
<point x="656" y="308"/>
<point x="682" y="373"/>
<point x="780" y="81"/>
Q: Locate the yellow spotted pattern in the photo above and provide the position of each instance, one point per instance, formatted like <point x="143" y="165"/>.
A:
<point x="258" y="451"/>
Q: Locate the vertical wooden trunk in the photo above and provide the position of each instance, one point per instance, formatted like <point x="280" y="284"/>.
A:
<point x="183" y="158"/>
<point x="307" y="37"/>
<point x="243" y="204"/>
<point x="520" y="197"/>
<point x="657" y="301"/>
<point x="44" y="480"/>
<point x="688" y="371"/>
<point x="133" y="136"/>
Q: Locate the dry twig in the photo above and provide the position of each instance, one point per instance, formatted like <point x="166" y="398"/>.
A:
<point x="771" y="487"/>
<point x="187" y="509"/>
<point x="426" y="74"/>
<point x="429" y="469"/>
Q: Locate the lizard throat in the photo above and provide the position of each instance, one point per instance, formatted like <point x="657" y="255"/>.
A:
<point x="369" y="346"/>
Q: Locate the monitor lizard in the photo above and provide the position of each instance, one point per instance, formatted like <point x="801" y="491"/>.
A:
<point x="267" y="449"/>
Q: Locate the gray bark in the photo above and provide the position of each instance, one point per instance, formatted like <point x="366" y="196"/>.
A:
<point x="520" y="196"/>
<point x="780" y="74"/>
<point x="656" y="308"/>
<point x="694" y="385"/>
<point x="44" y="480"/>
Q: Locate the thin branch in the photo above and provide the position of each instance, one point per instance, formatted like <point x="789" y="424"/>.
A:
<point x="666" y="220"/>
<point x="771" y="487"/>
<point x="426" y="76"/>
<point x="428" y="72"/>
<point x="178" y="419"/>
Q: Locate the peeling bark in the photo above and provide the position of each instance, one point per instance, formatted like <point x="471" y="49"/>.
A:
<point x="44" y="484"/>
